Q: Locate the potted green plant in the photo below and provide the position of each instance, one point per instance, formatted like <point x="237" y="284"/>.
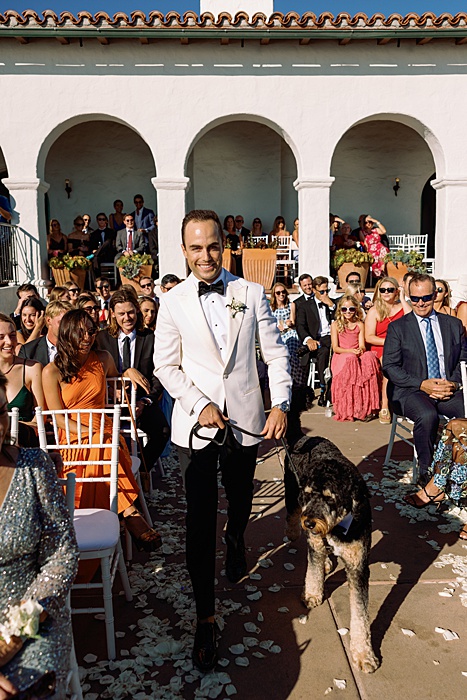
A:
<point x="69" y="267"/>
<point x="346" y="260"/>
<point x="399" y="262"/>
<point x="133" y="267"/>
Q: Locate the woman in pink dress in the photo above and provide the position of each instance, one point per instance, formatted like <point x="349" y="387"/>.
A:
<point x="355" y="371"/>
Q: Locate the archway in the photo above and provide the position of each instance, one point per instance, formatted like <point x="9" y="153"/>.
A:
<point x="243" y="167"/>
<point x="103" y="160"/>
<point x="366" y="162"/>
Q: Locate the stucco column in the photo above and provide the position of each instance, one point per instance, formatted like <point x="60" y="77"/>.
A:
<point x="29" y="214"/>
<point x="170" y="213"/>
<point x="313" y="212"/>
<point x="450" y="246"/>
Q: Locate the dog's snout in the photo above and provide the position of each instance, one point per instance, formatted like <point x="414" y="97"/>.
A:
<point x="310" y="524"/>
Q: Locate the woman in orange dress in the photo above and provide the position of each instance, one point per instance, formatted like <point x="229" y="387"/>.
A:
<point x="388" y="306"/>
<point x="76" y="380"/>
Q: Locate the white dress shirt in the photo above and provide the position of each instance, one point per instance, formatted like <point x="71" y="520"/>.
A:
<point x="121" y="338"/>
<point x="324" y="325"/>
<point x="51" y="349"/>
<point x="438" y="338"/>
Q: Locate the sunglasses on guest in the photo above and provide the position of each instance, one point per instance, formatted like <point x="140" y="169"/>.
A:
<point x="322" y="291"/>
<point x="425" y="298"/>
<point x="387" y="290"/>
<point x="148" y="285"/>
<point x="280" y="292"/>
<point x="440" y="290"/>
<point x="103" y="286"/>
<point x="92" y="308"/>
<point x="345" y="309"/>
<point x="74" y="290"/>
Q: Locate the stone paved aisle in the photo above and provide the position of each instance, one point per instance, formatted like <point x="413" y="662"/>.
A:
<point x="271" y="647"/>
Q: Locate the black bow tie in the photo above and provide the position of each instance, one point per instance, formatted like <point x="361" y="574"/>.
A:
<point x="204" y="288"/>
<point x="321" y="305"/>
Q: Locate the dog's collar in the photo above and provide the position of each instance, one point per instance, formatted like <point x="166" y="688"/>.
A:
<point x="345" y="524"/>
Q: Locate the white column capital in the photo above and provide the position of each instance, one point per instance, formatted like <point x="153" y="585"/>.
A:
<point x="171" y="183"/>
<point x="26" y="183"/>
<point x="441" y="182"/>
<point x="317" y="183"/>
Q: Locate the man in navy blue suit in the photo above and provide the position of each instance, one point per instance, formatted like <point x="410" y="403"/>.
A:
<point x="421" y="359"/>
<point x="144" y="218"/>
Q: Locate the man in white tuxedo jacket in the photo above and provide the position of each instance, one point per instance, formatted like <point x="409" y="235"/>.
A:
<point x="205" y="357"/>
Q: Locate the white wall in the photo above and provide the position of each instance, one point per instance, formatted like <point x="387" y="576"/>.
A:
<point x="366" y="162"/>
<point x="244" y="168"/>
<point x="104" y="161"/>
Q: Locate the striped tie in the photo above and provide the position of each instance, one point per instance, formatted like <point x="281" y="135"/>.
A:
<point x="432" y="359"/>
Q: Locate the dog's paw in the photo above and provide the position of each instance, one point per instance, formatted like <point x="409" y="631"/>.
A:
<point x="365" y="661"/>
<point x="328" y="565"/>
<point x="311" y="601"/>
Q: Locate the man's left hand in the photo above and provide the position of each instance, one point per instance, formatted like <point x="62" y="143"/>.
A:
<point x="137" y="379"/>
<point x="276" y="425"/>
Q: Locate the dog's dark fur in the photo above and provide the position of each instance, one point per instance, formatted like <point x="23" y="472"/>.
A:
<point x="330" y="488"/>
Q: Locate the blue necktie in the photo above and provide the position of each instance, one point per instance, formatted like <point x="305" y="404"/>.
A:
<point x="432" y="359"/>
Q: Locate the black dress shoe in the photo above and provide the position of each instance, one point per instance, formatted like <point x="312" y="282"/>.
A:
<point x="204" y="654"/>
<point x="322" y="399"/>
<point x="235" y="563"/>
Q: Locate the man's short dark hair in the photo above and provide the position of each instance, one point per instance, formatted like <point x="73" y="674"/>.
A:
<point x="138" y="196"/>
<point x="355" y="274"/>
<point x="406" y="276"/>
<point x="27" y="288"/>
<point x="305" y="276"/>
<point x="170" y="279"/>
<point x="102" y="213"/>
<point x="420" y="277"/>
<point x="201" y="215"/>
<point x="318" y="281"/>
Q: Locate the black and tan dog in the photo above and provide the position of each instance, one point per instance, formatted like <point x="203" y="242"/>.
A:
<point x="335" y="513"/>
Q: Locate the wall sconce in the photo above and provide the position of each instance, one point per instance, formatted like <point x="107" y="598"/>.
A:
<point x="396" y="187"/>
<point x="68" y="189"/>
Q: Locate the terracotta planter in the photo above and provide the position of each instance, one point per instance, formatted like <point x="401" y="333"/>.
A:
<point x="348" y="267"/>
<point x="260" y="266"/>
<point x="79" y="277"/>
<point x="146" y="271"/>
<point x="61" y="276"/>
<point x="396" y="270"/>
<point x="228" y="261"/>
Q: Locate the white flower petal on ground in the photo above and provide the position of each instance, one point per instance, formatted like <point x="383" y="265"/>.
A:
<point x="230" y="690"/>
<point x="340" y="683"/>
<point x="260" y="617"/>
<point x="237" y="649"/>
<point x="288" y="566"/>
<point x="303" y="619"/>
<point x="284" y="609"/>
<point x="250" y="642"/>
<point x="448" y="635"/>
<point x="266" y="643"/>
<point x="275" y="649"/>
<point x="90" y="658"/>
<point x="407" y="632"/>
<point x="259" y="655"/>
<point x="242" y="661"/>
<point x="223" y="662"/>
<point x="255" y="576"/>
<point x="275" y="588"/>
<point x="255" y="596"/>
<point x="343" y="631"/>
<point x="251" y="627"/>
<point x="328" y="690"/>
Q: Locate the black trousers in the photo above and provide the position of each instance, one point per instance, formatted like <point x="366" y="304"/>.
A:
<point x="237" y="466"/>
<point x="425" y="413"/>
<point x="321" y="355"/>
<point x="153" y="422"/>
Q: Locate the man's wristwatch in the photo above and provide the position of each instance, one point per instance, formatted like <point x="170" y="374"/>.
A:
<point x="284" y="406"/>
<point x="146" y="400"/>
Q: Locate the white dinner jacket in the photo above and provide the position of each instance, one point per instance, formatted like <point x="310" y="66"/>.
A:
<point x="189" y="365"/>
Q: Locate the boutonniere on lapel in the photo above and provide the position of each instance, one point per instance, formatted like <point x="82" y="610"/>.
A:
<point x="236" y="307"/>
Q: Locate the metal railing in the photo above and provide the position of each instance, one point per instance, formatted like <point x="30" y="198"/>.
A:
<point x="8" y="254"/>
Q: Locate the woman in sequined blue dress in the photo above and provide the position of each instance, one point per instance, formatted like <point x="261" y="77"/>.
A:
<point x="38" y="559"/>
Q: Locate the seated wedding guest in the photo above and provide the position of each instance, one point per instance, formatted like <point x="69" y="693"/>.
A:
<point x="57" y="242"/>
<point x="87" y="224"/>
<point x="461" y="311"/>
<point x="74" y="291"/>
<point x="284" y="312"/>
<point x="132" y="349"/>
<point x="116" y="217"/>
<point x="257" y="228"/>
<point x="149" y="309"/>
<point x="104" y="294"/>
<point x="355" y="370"/>
<point x="168" y="282"/>
<point x="43" y="349"/>
<point x="79" y="242"/>
<point x="38" y="561"/>
<point x="76" y="380"/>
<point x="229" y="231"/>
<point x="421" y="359"/>
<point x="355" y="290"/>
<point x="88" y="302"/>
<point x="32" y="315"/>
<point x="129" y="240"/>
<point x="242" y="232"/>
<point x="295" y="239"/>
<point x="147" y="288"/>
<point x="278" y="229"/>
<point x="63" y="294"/>
<point x="387" y="307"/>
<point x="102" y="243"/>
<point x="23" y="292"/>
<point x="24" y="377"/>
<point x="448" y="471"/>
<point x="443" y="299"/>
<point x="343" y="238"/>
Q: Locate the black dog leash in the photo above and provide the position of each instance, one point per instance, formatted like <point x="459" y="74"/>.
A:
<point x="197" y="427"/>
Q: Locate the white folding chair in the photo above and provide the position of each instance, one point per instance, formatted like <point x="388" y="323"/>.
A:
<point x="464" y="384"/>
<point x="72" y="681"/>
<point x="285" y="259"/>
<point x="97" y="529"/>
<point x="418" y="243"/>
<point x="313" y="379"/>
<point x="259" y="239"/>
<point x="397" y="242"/>
<point x="398" y="429"/>
<point x="14" y="424"/>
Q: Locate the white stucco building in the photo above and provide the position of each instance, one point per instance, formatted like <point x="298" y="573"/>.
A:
<point x="260" y="114"/>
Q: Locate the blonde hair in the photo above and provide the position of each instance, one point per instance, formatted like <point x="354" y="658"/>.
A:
<point x="272" y="298"/>
<point x="340" y="320"/>
<point x="353" y="289"/>
<point x="382" y="308"/>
